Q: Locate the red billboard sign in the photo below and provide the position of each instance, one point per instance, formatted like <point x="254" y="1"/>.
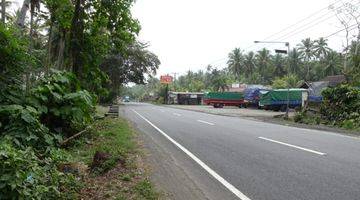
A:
<point x="166" y="79"/>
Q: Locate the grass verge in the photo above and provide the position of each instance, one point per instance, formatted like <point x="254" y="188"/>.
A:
<point x="123" y="175"/>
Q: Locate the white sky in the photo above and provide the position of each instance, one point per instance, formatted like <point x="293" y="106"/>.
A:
<point x="190" y="34"/>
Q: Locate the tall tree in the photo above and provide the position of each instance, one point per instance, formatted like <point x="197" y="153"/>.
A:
<point x="24" y="9"/>
<point x="249" y="64"/>
<point x="332" y="63"/>
<point x="279" y="63"/>
<point x="3" y="11"/>
<point x="295" y="61"/>
<point x="321" y="48"/>
<point x="306" y="50"/>
<point x="235" y="62"/>
<point x="263" y="63"/>
<point x="77" y="38"/>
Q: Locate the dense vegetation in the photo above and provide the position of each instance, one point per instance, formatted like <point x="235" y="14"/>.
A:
<point x="54" y="68"/>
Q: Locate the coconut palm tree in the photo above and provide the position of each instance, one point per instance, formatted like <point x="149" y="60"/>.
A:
<point x="332" y="63"/>
<point x="279" y="65"/>
<point x="235" y="62"/>
<point x="306" y="49"/>
<point x="249" y="64"/>
<point x="263" y="62"/>
<point x="295" y="61"/>
<point x="321" y="48"/>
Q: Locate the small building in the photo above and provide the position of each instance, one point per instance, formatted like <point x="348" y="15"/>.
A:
<point x="185" y="98"/>
<point x="315" y="88"/>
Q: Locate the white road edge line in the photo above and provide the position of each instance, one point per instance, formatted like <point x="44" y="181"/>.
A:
<point x="294" y="146"/>
<point x="205" y="122"/>
<point x="177" y="114"/>
<point x="228" y="185"/>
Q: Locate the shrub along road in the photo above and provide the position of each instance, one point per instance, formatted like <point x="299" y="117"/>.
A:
<point x="232" y="158"/>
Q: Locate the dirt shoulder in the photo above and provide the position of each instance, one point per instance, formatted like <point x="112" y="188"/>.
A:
<point x="113" y="163"/>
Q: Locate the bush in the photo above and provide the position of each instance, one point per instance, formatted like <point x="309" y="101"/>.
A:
<point x="63" y="107"/>
<point x="24" y="176"/>
<point x="23" y="126"/>
<point x="341" y="106"/>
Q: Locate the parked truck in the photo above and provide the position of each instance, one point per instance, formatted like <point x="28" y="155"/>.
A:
<point x="277" y="99"/>
<point x="221" y="99"/>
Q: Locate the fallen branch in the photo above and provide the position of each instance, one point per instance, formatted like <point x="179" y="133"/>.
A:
<point x="63" y="143"/>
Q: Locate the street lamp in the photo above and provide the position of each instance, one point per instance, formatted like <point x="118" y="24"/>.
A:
<point x="287" y="44"/>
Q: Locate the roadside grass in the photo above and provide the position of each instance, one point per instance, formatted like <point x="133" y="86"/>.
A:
<point x="123" y="175"/>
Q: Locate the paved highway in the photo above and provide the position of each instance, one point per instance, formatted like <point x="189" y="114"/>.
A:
<point x="234" y="158"/>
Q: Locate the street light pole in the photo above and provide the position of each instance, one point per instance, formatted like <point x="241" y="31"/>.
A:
<point x="287" y="44"/>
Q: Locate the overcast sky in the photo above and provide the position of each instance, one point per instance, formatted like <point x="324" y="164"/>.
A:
<point x="190" y="34"/>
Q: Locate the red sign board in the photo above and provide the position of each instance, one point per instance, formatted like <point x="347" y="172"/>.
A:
<point x="166" y="79"/>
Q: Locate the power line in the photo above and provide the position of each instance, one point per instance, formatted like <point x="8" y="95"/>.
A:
<point x="298" y="22"/>
<point x="289" y="35"/>
<point x="332" y="34"/>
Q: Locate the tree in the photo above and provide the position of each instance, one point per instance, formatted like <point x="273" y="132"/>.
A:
<point x="320" y="48"/>
<point x="249" y="64"/>
<point x="307" y="53"/>
<point x="279" y="66"/>
<point x="235" y="62"/>
<point x="332" y="62"/>
<point x="132" y="68"/>
<point x="295" y="61"/>
<point x="263" y="63"/>
<point x="21" y="18"/>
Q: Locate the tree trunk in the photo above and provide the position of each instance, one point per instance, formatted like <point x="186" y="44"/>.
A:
<point x="21" y="18"/>
<point x="49" y="46"/>
<point x="76" y="38"/>
<point x="3" y="11"/>
<point x="60" y="58"/>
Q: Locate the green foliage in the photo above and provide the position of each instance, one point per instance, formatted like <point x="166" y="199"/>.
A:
<point x="62" y="106"/>
<point x="146" y="190"/>
<point x="286" y="81"/>
<point x="13" y="57"/>
<point x="341" y="106"/>
<point x="22" y="125"/>
<point x="24" y="176"/>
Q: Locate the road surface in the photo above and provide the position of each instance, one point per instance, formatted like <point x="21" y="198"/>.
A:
<point x="234" y="158"/>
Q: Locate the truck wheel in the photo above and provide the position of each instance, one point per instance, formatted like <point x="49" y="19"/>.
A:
<point x="221" y="105"/>
<point x="283" y="108"/>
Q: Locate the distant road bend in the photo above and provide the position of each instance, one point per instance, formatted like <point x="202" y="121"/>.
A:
<point x="235" y="158"/>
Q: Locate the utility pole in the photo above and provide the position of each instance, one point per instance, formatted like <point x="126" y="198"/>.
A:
<point x="174" y="81"/>
<point x="287" y="44"/>
<point x="3" y="11"/>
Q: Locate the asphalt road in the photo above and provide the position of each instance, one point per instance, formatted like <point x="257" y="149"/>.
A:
<point x="234" y="158"/>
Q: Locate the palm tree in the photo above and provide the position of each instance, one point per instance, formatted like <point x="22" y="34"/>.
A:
<point x="332" y="63"/>
<point x="295" y="61"/>
<point x="263" y="62"/>
<point x="249" y="64"/>
<point x="321" y="48"/>
<point x="279" y="66"/>
<point x="306" y="49"/>
<point x="235" y="62"/>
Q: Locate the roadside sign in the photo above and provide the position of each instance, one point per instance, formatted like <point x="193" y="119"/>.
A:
<point x="166" y="79"/>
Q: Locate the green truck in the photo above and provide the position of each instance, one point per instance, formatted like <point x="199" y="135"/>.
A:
<point x="277" y="99"/>
<point x="221" y="99"/>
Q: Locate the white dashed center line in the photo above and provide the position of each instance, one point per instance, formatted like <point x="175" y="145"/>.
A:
<point x="293" y="146"/>
<point x="205" y="122"/>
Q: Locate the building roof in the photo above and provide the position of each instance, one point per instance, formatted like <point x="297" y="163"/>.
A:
<point x="335" y="80"/>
